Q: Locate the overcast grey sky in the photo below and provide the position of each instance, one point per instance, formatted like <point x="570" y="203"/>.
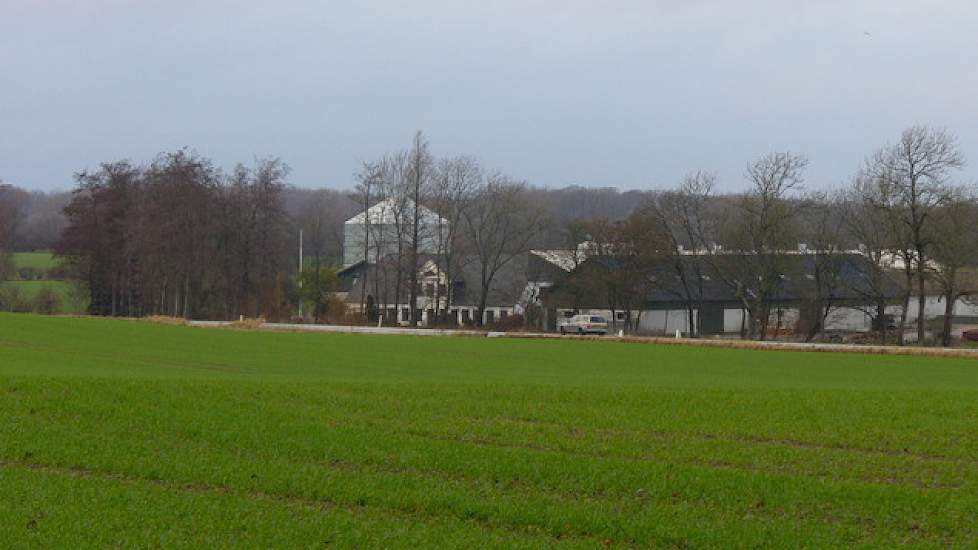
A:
<point x="627" y="94"/>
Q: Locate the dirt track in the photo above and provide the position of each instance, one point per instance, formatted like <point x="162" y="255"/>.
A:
<point x="702" y="342"/>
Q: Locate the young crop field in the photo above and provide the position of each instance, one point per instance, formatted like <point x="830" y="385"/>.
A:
<point x="37" y="260"/>
<point x="133" y="434"/>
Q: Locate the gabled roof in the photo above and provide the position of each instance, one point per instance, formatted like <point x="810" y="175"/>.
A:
<point x="386" y="212"/>
<point x="720" y="276"/>
<point x="564" y="259"/>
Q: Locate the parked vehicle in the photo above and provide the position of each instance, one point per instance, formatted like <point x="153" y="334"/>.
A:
<point x="970" y="336"/>
<point x="585" y="324"/>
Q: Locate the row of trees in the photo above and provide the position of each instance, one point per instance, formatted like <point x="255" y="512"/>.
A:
<point x="179" y="237"/>
<point x="41" y="220"/>
<point x="902" y="211"/>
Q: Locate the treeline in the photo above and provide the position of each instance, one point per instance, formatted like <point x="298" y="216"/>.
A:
<point x="179" y="237"/>
<point x="36" y="218"/>
<point x="30" y="220"/>
<point x="903" y="211"/>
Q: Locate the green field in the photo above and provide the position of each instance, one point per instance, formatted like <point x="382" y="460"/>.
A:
<point x="123" y="433"/>
<point x="71" y="301"/>
<point x="36" y="260"/>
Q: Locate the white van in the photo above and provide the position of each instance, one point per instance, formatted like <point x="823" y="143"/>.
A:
<point x="585" y="324"/>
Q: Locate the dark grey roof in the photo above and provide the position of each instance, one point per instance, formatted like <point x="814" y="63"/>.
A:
<point x="721" y="276"/>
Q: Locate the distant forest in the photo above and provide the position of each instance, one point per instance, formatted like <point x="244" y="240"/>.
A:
<point x="40" y="217"/>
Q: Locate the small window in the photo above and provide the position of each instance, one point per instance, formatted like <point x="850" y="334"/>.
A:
<point x="597" y="320"/>
<point x="620" y="315"/>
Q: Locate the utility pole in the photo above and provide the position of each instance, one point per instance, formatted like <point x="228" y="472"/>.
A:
<point x="300" y="272"/>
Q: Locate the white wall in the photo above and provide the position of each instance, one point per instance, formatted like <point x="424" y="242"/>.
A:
<point x="732" y="320"/>
<point x="845" y="318"/>
<point x="386" y="235"/>
<point x="665" y="321"/>
<point x="934" y="307"/>
<point x="849" y="319"/>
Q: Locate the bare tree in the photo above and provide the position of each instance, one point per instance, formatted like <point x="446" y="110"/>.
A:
<point x="455" y="181"/>
<point x="500" y="224"/>
<point x="901" y="249"/>
<point x="764" y="226"/>
<point x="272" y="221"/>
<point x="954" y="249"/>
<point x="394" y="183"/>
<point x="178" y="238"/>
<point x="868" y="226"/>
<point x="821" y="229"/>
<point x="419" y="180"/>
<point x="914" y="172"/>
<point x="313" y="220"/>
<point x="235" y="235"/>
<point x="96" y="245"/>
<point x="363" y="194"/>
<point x="683" y="221"/>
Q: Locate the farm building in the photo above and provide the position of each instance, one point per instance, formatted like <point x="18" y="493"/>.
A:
<point x="718" y="293"/>
<point x="456" y="302"/>
<point x="384" y="226"/>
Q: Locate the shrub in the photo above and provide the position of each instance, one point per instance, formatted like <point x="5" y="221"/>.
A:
<point x="335" y="309"/>
<point x="47" y="301"/>
<point x="30" y="274"/>
<point x="57" y="273"/>
<point x="22" y="305"/>
<point x="9" y="297"/>
<point x="510" y="323"/>
<point x="6" y="265"/>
